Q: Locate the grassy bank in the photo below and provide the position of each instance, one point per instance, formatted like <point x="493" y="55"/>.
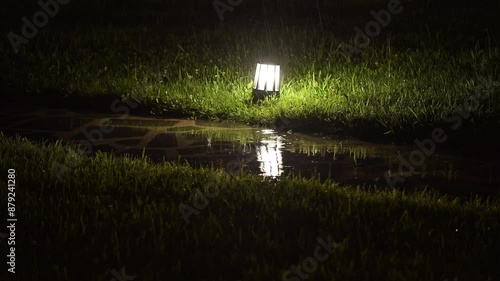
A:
<point x="402" y="91"/>
<point x="107" y="213"/>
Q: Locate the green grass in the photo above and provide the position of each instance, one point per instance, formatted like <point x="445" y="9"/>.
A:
<point x="110" y="212"/>
<point x="207" y="73"/>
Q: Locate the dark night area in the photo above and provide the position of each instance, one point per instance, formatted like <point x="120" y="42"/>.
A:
<point x="250" y="140"/>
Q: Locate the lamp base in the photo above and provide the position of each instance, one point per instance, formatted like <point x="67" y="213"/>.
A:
<point x="261" y="95"/>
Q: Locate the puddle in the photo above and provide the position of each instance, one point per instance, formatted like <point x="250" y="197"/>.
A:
<point x="264" y="152"/>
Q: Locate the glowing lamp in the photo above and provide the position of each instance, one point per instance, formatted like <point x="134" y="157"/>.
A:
<point x="267" y="81"/>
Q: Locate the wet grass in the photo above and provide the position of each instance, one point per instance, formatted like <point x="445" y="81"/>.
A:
<point x="108" y="213"/>
<point x="207" y="73"/>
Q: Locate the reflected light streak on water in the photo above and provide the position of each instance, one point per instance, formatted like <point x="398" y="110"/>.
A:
<point x="269" y="154"/>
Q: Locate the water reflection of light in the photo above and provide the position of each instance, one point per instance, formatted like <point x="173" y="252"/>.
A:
<point x="269" y="155"/>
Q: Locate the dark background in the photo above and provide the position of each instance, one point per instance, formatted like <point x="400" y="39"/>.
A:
<point x="461" y="22"/>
